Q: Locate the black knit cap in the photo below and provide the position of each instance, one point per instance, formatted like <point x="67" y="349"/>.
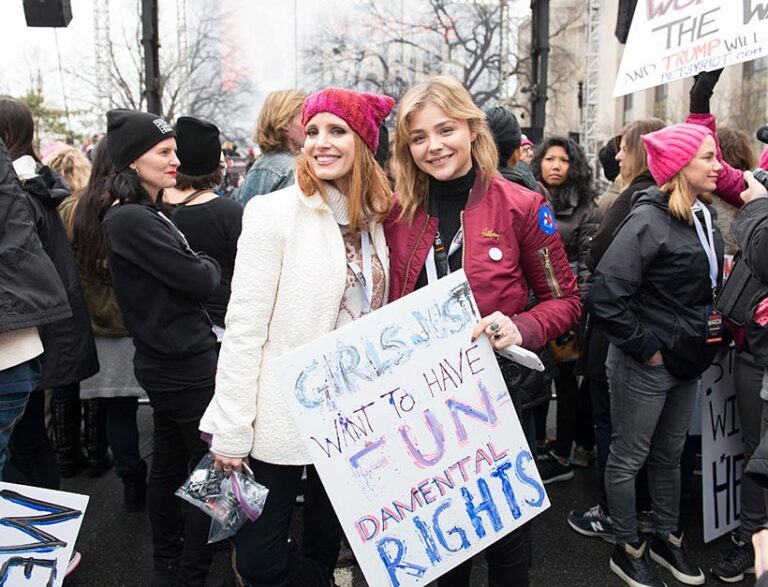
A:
<point x="199" y="147"/>
<point x="131" y="133"/>
<point x="506" y="131"/>
<point x="607" y="156"/>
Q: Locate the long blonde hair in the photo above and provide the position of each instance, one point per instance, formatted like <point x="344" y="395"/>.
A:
<point x="72" y="165"/>
<point x="279" y="108"/>
<point x="449" y="95"/>
<point x="678" y="189"/>
<point x="369" y="191"/>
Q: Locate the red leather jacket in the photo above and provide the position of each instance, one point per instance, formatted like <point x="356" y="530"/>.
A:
<point x="516" y="222"/>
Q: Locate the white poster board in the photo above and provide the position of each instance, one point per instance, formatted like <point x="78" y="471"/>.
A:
<point x="38" y="528"/>
<point x="414" y="435"/>
<point x="722" y="448"/>
<point x="674" y="39"/>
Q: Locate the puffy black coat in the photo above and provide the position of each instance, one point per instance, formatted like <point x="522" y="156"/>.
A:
<point x="651" y="289"/>
<point x="31" y="292"/>
<point x="750" y="230"/>
<point x="70" y="351"/>
<point x="577" y="223"/>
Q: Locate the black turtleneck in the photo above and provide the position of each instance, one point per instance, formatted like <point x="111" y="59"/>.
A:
<point x="447" y="199"/>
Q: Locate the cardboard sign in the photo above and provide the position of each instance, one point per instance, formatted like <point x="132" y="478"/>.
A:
<point x="38" y="530"/>
<point x="674" y="39"/>
<point x="414" y="435"/>
<point x="722" y="458"/>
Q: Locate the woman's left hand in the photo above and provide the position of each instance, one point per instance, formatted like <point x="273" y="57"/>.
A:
<point x="501" y="331"/>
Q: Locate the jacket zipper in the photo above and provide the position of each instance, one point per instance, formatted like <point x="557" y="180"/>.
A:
<point x="413" y="253"/>
<point x="549" y="273"/>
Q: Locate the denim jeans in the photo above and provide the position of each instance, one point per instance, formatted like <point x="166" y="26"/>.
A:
<point x="11" y="409"/>
<point x="650" y="412"/>
<point x="264" y="557"/>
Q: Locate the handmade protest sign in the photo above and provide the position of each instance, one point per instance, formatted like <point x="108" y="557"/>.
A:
<point x="414" y="434"/>
<point x="722" y="448"/>
<point x="675" y="39"/>
<point x="38" y="528"/>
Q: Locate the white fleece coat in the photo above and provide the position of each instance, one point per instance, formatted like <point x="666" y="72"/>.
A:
<point x="289" y="278"/>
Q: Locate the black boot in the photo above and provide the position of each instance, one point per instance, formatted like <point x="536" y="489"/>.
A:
<point x="135" y="489"/>
<point x="66" y="426"/>
<point x="96" y="437"/>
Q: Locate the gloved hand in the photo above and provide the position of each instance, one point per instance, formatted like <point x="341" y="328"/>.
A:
<point x="701" y="92"/>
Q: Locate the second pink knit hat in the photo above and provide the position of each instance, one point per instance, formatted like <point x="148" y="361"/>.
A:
<point x="362" y="111"/>
<point x="671" y="148"/>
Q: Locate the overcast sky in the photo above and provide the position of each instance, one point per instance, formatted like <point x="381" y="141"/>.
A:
<point x="264" y="33"/>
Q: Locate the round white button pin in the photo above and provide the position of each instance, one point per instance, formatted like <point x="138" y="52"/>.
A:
<point x="495" y="254"/>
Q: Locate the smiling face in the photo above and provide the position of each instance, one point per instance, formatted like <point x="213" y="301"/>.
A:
<point x="157" y="167"/>
<point x="441" y="146"/>
<point x="702" y="171"/>
<point x="554" y="166"/>
<point x="330" y="148"/>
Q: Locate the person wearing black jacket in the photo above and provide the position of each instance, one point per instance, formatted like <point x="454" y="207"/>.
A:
<point x="652" y="294"/>
<point x="69" y="349"/>
<point x="561" y="165"/>
<point x="212" y="224"/>
<point x="160" y="285"/>
<point x="750" y="230"/>
<point x="633" y="166"/>
<point x="32" y="295"/>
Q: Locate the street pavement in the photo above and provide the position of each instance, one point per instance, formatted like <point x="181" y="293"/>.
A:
<point x="117" y="549"/>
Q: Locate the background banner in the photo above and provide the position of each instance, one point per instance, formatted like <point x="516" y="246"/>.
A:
<point x="675" y="39"/>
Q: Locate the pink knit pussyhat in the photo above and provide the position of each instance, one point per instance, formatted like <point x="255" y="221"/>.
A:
<point x="363" y="112"/>
<point x="672" y="148"/>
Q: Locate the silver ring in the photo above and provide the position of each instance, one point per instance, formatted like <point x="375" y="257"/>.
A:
<point x="498" y="335"/>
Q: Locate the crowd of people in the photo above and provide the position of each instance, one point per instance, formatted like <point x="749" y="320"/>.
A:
<point x="130" y="273"/>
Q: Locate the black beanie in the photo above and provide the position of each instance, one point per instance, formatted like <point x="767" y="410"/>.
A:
<point x="131" y="133"/>
<point x="506" y="131"/>
<point x="607" y="156"/>
<point x="199" y="147"/>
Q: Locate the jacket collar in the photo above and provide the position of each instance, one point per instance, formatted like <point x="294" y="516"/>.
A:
<point x="335" y="201"/>
<point x="478" y="192"/>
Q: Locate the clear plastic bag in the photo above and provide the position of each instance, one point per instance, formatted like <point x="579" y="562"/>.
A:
<point x="229" y="499"/>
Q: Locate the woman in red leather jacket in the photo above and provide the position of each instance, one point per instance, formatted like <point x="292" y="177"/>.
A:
<point x="454" y="211"/>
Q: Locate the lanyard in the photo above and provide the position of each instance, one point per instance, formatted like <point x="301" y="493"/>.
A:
<point x="437" y="255"/>
<point x="364" y="277"/>
<point x="708" y="243"/>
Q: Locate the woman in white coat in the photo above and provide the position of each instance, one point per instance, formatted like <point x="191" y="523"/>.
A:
<point x="297" y="276"/>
